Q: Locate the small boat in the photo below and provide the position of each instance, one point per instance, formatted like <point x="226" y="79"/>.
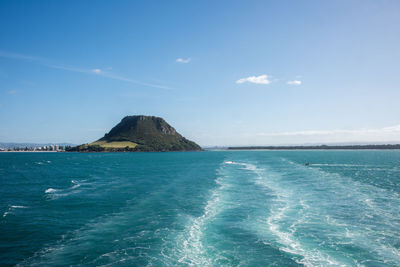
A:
<point x="307" y="164"/>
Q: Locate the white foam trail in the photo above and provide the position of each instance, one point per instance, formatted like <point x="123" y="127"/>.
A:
<point x="51" y="190"/>
<point x="283" y="204"/>
<point x="311" y="257"/>
<point x="235" y="163"/>
<point x="43" y="162"/>
<point x="192" y="251"/>
<point x="372" y="202"/>
<point x="338" y="165"/>
<point x="75" y="185"/>
<point x="11" y="208"/>
<point x="285" y="235"/>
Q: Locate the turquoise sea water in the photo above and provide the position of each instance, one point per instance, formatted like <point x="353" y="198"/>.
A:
<point x="231" y="208"/>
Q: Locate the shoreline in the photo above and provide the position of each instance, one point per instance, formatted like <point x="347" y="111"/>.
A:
<point x="320" y="147"/>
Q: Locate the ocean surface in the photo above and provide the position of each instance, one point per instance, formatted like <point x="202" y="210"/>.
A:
<point x="213" y="208"/>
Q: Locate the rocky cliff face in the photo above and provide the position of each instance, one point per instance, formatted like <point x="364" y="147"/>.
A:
<point x="141" y="133"/>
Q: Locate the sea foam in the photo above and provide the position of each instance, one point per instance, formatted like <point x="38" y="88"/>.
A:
<point x="13" y="207"/>
<point x="51" y="190"/>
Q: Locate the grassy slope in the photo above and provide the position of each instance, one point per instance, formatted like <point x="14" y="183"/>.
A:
<point x="114" y="144"/>
<point x="105" y="146"/>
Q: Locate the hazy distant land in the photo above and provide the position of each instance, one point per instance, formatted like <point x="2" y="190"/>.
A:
<point x="360" y="147"/>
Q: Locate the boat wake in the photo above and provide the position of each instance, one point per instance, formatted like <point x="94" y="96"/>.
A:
<point x="286" y="212"/>
<point x="246" y="211"/>
<point x="191" y="248"/>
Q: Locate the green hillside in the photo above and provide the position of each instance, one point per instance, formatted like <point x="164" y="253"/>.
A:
<point x="140" y="133"/>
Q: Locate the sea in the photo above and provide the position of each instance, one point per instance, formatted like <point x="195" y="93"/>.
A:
<point x="211" y="208"/>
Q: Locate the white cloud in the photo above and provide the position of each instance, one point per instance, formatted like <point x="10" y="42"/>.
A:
<point x="49" y="64"/>
<point x="295" y="82"/>
<point x="262" y="79"/>
<point x="386" y="130"/>
<point x="12" y="92"/>
<point x="227" y="137"/>
<point x="183" y="60"/>
<point x="97" y="71"/>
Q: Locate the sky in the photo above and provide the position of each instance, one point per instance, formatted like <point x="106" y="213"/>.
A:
<point x="220" y="72"/>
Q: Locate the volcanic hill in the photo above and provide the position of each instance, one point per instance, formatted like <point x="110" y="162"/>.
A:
<point x="140" y="133"/>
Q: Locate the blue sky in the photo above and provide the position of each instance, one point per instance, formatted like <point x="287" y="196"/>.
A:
<point x="220" y="72"/>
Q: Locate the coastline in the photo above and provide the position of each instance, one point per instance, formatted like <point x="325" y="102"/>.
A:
<point x="319" y="147"/>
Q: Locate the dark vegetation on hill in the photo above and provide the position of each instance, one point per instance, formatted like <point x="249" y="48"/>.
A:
<point x="140" y="133"/>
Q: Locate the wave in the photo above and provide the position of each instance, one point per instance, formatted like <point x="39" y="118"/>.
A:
<point x="11" y="208"/>
<point x="51" y="190"/>
<point x="234" y="163"/>
<point x="55" y="193"/>
<point x="338" y="165"/>
<point x="286" y="237"/>
<point x="371" y="208"/>
<point x="54" y="253"/>
<point x="286" y="212"/>
<point x="43" y="162"/>
<point x="193" y="251"/>
<point x="75" y="183"/>
<point x="277" y="223"/>
<point x="246" y="166"/>
<point x="18" y="207"/>
<point x="192" y="246"/>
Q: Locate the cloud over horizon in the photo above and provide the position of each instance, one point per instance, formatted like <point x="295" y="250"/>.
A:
<point x="295" y="82"/>
<point x="384" y="135"/>
<point x="390" y="133"/>
<point x="183" y="60"/>
<point x="390" y="129"/>
<point x="262" y="79"/>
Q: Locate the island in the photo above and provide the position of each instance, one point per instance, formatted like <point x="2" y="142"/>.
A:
<point x="140" y="134"/>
